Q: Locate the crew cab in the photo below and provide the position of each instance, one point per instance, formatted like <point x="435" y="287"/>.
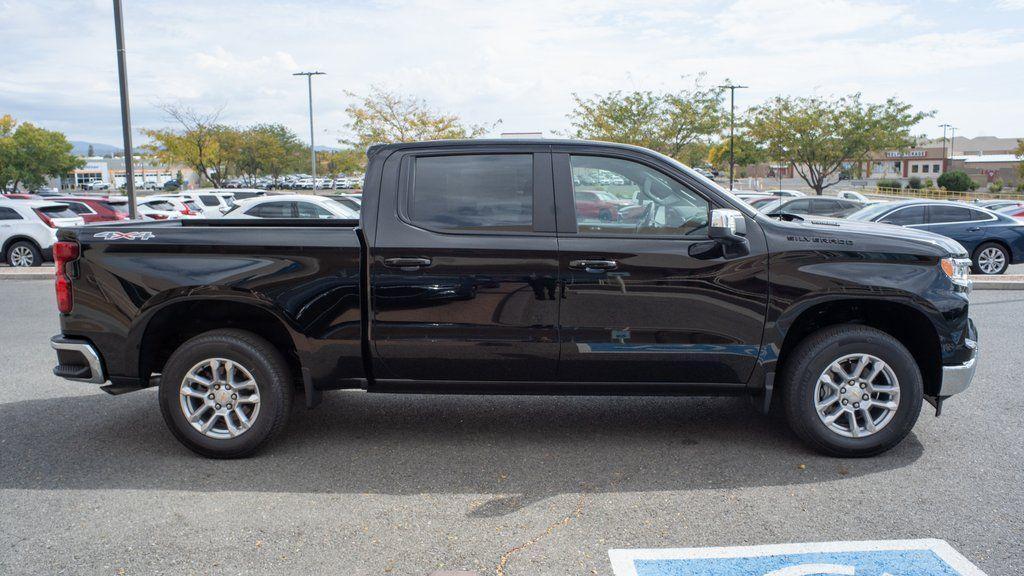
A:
<point x="472" y="270"/>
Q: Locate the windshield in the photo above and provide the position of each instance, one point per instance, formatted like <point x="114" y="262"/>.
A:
<point x="870" y="212"/>
<point x="119" y="207"/>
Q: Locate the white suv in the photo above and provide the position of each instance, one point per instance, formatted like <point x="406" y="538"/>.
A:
<point x="28" y="229"/>
<point x="213" y="202"/>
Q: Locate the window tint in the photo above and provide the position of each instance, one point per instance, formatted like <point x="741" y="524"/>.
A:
<point x="942" y="214"/>
<point x="9" y="214"/>
<point x="61" y="211"/>
<point x="631" y="199"/>
<point x="802" y="206"/>
<point x="160" y="205"/>
<point x="470" y="193"/>
<point x="979" y="215"/>
<point x="119" y="207"/>
<point x="310" y="210"/>
<point x="271" y="210"/>
<point x="79" y="208"/>
<point x="906" y="216"/>
<point x="209" y="200"/>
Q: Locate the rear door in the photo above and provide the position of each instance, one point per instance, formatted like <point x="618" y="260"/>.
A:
<point x="464" y="267"/>
<point x="961" y="223"/>
<point x="648" y="297"/>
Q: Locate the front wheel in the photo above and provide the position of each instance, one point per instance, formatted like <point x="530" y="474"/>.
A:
<point x="990" y="259"/>
<point x="225" y="393"/>
<point x="852" y="391"/>
<point x="23" y="254"/>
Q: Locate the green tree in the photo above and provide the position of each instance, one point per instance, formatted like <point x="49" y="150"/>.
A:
<point x="381" y="116"/>
<point x="665" y="122"/>
<point x="956" y="181"/>
<point x="201" y="142"/>
<point x="28" y="154"/>
<point x="745" y="153"/>
<point x="268" y="149"/>
<point x="817" y="135"/>
<point x="346" y="161"/>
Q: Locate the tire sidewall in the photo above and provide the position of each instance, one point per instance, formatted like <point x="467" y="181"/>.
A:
<point x="272" y="403"/>
<point x="803" y="413"/>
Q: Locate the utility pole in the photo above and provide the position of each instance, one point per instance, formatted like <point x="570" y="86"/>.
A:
<point x="732" y="126"/>
<point x="944" y="127"/>
<point x="952" y="142"/>
<point x="312" y="145"/>
<point x="126" y="117"/>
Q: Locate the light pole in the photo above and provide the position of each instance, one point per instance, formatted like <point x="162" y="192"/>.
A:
<point x="952" y="142"/>
<point x="312" y="145"/>
<point x="944" y="127"/>
<point x="126" y="118"/>
<point x="732" y="126"/>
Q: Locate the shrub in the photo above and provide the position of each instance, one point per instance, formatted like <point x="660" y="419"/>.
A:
<point x="928" y="183"/>
<point x="957" y="181"/>
<point x="995" y="186"/>
<point x="914" y="183"/>
<point x="885" y="183"/>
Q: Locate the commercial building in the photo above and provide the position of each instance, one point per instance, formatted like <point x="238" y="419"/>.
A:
<point x="930" y="158"/>
<point x="112" y="171"/>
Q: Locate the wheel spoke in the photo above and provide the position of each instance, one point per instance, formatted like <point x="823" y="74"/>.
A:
<point x="822" y="404"/>
<point x="193" y="393"/>
<point x="827" y="381"/>
<point x="885" y="405"/>
<point x="838" y="369"/>
<point x="833" y="416"/>
<point x="199" y="379"/>
<point x="252" y="399"/>
<point x="851" y="418"/>
<point x="242" y="418"/>
<point x="198" y="414"/>
<point x="244" y="385"/>
<point x="868" y="422"/>
<point x="232" y="429"/>
<point x="862" y="363"/>
<point x="209" y="423"/>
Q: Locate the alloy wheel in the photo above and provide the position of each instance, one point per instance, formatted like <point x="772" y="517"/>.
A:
<point x="991" y="260"/>
<point x="857" y="395"/>
<point x="22" y="256"/>
<point x="219" y="398"/>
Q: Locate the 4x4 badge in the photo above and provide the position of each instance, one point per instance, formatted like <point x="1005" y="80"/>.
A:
<point x="111" y="235"/>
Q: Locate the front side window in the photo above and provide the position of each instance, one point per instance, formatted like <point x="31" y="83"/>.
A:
<point x="905" y="216"/>
<point x="484" y="192"/>
<point x="616" y="196"/>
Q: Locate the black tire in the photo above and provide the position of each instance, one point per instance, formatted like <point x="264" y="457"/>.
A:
<point x="988" y="247"/>
<point x="814" y="355"/>
<point x="268" y="368"/>
<point x="24" y="249"/>
<point x="605" y="215"/>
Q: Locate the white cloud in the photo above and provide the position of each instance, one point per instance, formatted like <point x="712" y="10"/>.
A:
<point x="1010" y="4"/>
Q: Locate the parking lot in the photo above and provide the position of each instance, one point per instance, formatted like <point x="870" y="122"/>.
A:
<point x="379" y="484"/>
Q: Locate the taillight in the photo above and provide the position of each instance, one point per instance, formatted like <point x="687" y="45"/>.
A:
<point x="187" y="212"/>
<point x="46" y="219"/>
<point x="63" y="254"/>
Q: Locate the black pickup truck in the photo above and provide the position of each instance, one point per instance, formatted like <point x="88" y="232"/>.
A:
<point x="521" y="266"/>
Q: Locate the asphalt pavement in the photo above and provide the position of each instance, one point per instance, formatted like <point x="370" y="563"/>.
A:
<point x="412" y="484"/>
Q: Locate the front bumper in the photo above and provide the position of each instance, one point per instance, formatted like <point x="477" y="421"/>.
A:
<point x="956" y="378"/>
<point x="77" y="359"/>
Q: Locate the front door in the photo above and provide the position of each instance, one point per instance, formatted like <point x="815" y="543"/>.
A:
<point x="464" y="279"/>
<point x="646" y="295"/>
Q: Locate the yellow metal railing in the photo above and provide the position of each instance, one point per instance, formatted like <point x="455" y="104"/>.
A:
<point x="943" y="194"/>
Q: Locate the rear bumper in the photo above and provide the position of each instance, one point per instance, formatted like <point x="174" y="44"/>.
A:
<point x="956" y="378"/>
<point x="77" y="359"/>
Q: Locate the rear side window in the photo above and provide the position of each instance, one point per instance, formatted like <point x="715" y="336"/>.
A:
<point x="473" y="193"/>
<point x="209" y="200"/>
<point x="906" y="216"/>
<point x="161" y="205"/>
<point x="9" y="214"/>
<point x="310" y="210"/>
<point x="944" y="214"/>
<point x="190" y="204"/>
<point x="271" y="210"/>
<point x="977" y="215"/>
<point x="79" y="208"/>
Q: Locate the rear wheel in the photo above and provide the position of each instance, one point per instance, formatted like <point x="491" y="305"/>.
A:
<point x="225" y="393"/>
<point x="852" y="391"/>
<point x="990" y="259"/>
<point x="24" y="253"/>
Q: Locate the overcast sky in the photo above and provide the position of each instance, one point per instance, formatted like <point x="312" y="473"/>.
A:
<point x="514" y="61"/>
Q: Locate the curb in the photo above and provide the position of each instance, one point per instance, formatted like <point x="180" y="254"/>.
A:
<point x="36" y="273"/>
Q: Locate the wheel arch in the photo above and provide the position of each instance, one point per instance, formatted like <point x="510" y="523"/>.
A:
<point x="902" y="321"/>
<point x="18" y="238"/>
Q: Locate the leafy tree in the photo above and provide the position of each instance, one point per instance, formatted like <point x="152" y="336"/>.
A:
<point x="345" y="161"/>
<point x="381" y="116"/>
<point x="270" y="149"/>
<point x="28" y="154"/>
<point x="663" y="122"/>
<point x="745" y="152"/>
<point x="956" y="181"/>
<point x="201" y="142"/>
<point x="817" y="135"/>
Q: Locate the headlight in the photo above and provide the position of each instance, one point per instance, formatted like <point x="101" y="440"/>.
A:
<point x="958" y="270"/>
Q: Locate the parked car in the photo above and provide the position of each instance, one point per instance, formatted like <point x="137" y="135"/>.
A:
<point x="213" y="202"/>
<point x="998" y="205"/>
<point x="96" y="185"/>
<point x="158" y="209"/>
<point x="28" y="229"/>
<point x="184" y="206"/>
<point x="600" y="205"/>
<point x="993" y="240"/>
<point x="1015" y="212"/>
<point x="815" y="206"/>
<point x="246" y="193"/>
<point x="97" y="208"/>
<point x="480" y="276"/>
<point x="292" y="206"/>
<point x="351" y="201"/>
<point x="855" y="196"/>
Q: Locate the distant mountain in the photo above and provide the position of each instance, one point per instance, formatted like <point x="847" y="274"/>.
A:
<point x="81" y="148"/>
<point x="320" y="148"/>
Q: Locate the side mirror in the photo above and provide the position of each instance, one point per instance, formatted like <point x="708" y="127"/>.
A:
<point x="728" y="226"/>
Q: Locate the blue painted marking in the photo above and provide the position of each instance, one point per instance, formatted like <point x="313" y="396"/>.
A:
<point x="892" y="562"/>
<point x="926" y="557"/>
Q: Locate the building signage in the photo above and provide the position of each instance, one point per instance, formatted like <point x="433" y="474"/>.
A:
<point x="908" y="154"/>
<point x="879" y="558"/>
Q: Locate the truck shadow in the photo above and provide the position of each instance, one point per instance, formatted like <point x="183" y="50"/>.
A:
<point x="512" y="451"/>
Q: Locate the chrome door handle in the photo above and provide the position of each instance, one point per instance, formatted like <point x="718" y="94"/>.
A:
<point x="594" y="265"/>
<point x="407" y="263"/>
<point x="974" y="229"/>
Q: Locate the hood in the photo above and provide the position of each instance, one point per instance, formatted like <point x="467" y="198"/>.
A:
<point x="874" y="236"/>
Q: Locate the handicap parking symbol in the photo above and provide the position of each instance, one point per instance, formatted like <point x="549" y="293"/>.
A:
<point x="928" y="557"/>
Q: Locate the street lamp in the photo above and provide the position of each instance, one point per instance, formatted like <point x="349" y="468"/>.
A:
<point x="126" y="118"/>
<point x="732" y="126"/>
<point x="944" y="127"/>
<point x="312" y="145"/>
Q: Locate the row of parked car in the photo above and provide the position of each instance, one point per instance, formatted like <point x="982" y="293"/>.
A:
<point x="299" y="182"/>
<point x="29" y="223"/>
<point x="992" y="231"/>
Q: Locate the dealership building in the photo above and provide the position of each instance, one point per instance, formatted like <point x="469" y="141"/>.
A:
<point x="985" y="159"/>
<point x="112" y="171"/>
